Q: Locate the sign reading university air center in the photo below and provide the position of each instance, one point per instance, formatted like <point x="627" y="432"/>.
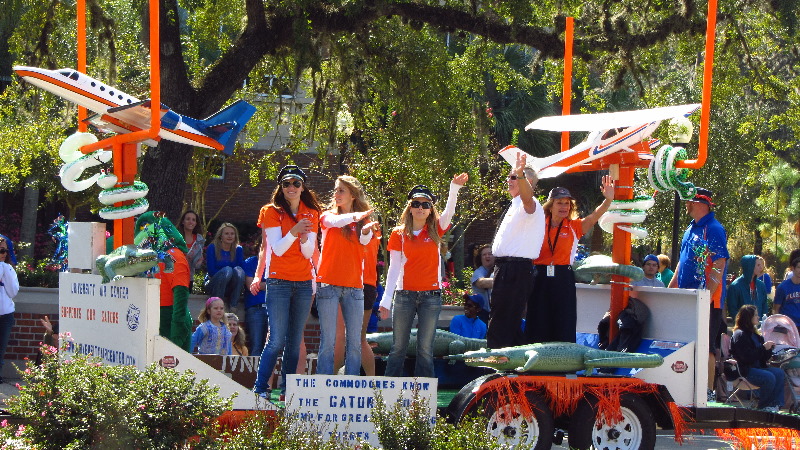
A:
<point x="109" y="320"/>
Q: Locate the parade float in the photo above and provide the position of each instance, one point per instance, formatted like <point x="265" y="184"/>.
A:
<point x="536" y="390"/>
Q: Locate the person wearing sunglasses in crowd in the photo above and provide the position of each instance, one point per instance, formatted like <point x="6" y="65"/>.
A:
<point x="9" y="287"/>
<point x="413" y="283"/>
<point x="346" y="229"/>
<point x="516" y="243"/>
<point x="289" y="238"/>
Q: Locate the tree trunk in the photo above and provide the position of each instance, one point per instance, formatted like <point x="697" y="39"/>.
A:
<point x="165" y="169"/>
<point x="758" y="244"/>
<point x="27" y="233"/>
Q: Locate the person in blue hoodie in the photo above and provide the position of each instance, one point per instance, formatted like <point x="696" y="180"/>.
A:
<point x="748" y="289"/>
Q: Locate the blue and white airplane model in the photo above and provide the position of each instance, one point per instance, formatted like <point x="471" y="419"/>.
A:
<point x="608" y="133"/>
<point x="118" y="112"/>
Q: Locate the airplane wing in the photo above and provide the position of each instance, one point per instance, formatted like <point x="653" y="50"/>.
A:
<point x="105" y="123"/>
<point x="604" y="121"/>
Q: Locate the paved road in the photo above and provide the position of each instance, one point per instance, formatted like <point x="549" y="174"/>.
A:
<point x="666" y="440"/>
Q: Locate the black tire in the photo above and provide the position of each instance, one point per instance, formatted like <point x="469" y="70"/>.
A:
<point x="637" y="430"/>
<point x="508" y="426"/>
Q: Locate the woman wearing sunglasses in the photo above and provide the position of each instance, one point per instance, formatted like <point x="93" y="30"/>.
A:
<point x="345" y="232"/>
<point x="9" y="286"/>
<point x="414" y="281"/>
<point x="289" y="238"/>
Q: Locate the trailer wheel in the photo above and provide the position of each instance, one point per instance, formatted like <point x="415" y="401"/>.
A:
<point x="509" y="426"/>
<point x="637" y="430"/>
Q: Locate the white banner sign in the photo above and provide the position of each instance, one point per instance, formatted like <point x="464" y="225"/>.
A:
<point x="109" y="320"/>
<point x="341" y="405"/>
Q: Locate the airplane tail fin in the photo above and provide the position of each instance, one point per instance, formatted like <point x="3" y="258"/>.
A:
<point x="225" y="125"/>
<point x="543" y="166"/>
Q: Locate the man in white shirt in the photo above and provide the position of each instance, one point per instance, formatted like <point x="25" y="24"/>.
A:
<point x="517" y="243"/>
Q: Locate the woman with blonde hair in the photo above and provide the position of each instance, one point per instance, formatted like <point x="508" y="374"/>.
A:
<point x="224" y="261"/>
<point x="346" y="229"/>
<point x="413" y="283"/>
<point x="238" y="337"/>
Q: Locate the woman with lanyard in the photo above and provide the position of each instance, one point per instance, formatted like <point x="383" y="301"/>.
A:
<point x="552" y="315"/>
<point x="290" y="226"/>
<point x="414" y="279"/>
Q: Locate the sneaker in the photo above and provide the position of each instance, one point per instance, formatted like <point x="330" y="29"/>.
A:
<point x="265" y="394"/>
<point x="712" y="396"/>
<point x="772" y="409"/>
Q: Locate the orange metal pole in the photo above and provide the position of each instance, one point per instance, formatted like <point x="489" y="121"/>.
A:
<point x="567" y="88"/>
<point x="81" y="29"/>
<point x="621" y="251"/>
<point x="155" y="69"/>
<point x="705" y="108"/>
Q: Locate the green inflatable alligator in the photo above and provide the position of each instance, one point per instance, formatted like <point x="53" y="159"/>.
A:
<point x="561" y="357"/>
<point x="599" y="268"/>
<point x="444" y="343"/>
<point x="125" y="261"/>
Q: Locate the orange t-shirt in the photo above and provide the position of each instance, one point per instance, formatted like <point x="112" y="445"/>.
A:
<point x="341" y="261"/>
<point x="422" y="270"/>
<point x="178" y="277"/>
<point x="565" y="247"/>
<point x="371" y="259"/>
<point x="292" y="265"/>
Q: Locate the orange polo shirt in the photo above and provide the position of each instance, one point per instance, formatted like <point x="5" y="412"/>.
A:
<point x="571" y="231"/>
<point x="371" y="259"/>
<point x="341" y="258"/>
<point x="292" y="265"/>
<point x="422" y="270"/>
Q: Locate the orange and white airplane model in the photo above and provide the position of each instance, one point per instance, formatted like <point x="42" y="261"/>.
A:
<point x="118" y="112"/>
<point x="608" y="133"/>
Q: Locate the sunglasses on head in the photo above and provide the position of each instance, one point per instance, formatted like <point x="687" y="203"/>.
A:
<point x="424" y="205"/>
<point x="295" y="183"/>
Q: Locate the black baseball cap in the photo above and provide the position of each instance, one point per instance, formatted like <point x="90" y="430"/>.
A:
<point x="291" y="171"/>
<point x="421" y="190"/>
<point x="703" y="196"/>
<point x="559" y="192"/>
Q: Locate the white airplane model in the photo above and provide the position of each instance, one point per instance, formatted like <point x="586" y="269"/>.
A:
<point x="118" y="112"/>
<point x="608" y="133"/>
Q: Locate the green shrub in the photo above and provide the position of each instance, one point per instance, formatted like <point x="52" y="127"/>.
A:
<point x="77" y="402"/>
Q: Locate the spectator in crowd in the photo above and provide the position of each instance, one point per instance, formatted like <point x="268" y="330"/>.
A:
<point x="414" y="280"/>
<point x="212" y="336"/>
<point x="517" y="242"/>
<point x="650" y="267"/>
<point x="238" y="337"/>
<point x="224" y="261"/>
<point x="751" y="354"/>
<point x="748" y="289"/>
<point x="346" y="228"/>
<point x="787" y="295"/>
<point x="665" y="274"/>
<point x="255" y="305"/>
<point x="193" y="235"/>
<point x="469" y="324"/>
<point x="705" y="236"/>
<point x="789" y="270"/>
<point x="762" y="274"/>
<point x="9" y="287"/>
<point x="483" y="277"/>
<point x="289" y="238"/>
<point x="552" y="316"/>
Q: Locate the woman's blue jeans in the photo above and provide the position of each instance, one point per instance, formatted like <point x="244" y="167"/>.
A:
<point x="770" y="385"/>
<point x="227" y="284"/>
<point x="329" y="298"/>
<point x="426" y="305"/>
<point x="6" y="324"/>
<point x="288" y="305"/>
<point x="256" y="318"/>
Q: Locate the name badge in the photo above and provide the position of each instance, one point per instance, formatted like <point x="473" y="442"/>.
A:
<point x="551" y="270"/>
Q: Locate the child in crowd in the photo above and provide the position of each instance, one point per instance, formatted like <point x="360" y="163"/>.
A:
<point x="238" y="338"/>
<point x="212" y="336"/>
